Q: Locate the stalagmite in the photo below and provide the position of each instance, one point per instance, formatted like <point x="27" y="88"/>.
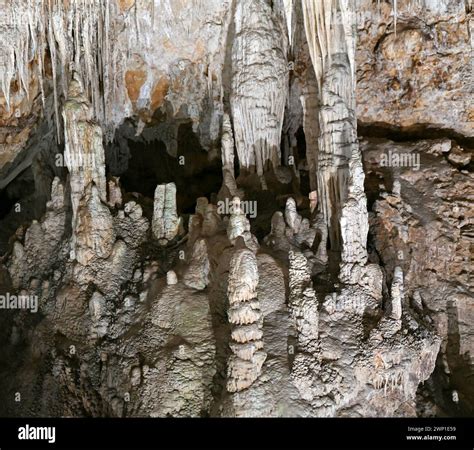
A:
<point x="292" y="218"/>
<point x="259" y="85"/>
<point x="240" y="226"/>
<point x="227" y="144"/>
<point x="114" y="193"/>
<point x="396" y="188"/>
<point x="245" y="364"/>
<point x="171" y="277"/>
<point x="42" y="240"/>
<point x="303" y="309"/>
<point x="354" y="217"/>
<point x="197" y="274"/>
<point x="277" y="238"/>
<point x="299" y="230"/>
<point x="229" y="188"/>
<point x="166" y="222"/>
<point x="133" y="210"/>
<point x="211" y="220"/>
<point x="98" y="314"/>
<point x="94" y="231"/>
<point x="201" y="205"/>
<point x="313" y="200"/>
<point x="290" y="230"/>
<point x="396" y="294"/>
<point x="319" y="225"/>
<point x="302" y="303"/>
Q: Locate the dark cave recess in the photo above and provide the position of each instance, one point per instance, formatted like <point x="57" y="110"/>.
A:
<point x="148" y="164"/>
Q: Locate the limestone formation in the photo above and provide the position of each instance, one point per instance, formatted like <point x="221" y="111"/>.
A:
<point x="290" y="230"/>
<point x="244" y="313"/>
<point x="229" y="188"/>
<point x="313" y="200"/>
<point x="42" y="242"/>
<point x="197" y="273"/>
<point x="303" y="304"/>
<point x="95" y="234"/>
<point x="171" y="277"/>
<point x="292" y="218"/>
<point x="396" y="294"/>
<point x="240" y="226"/>
<point x="211" y="220"/>
<point x="277" y="238"/>
<point x="330" y="32"/>
<point x="98" y="313"/>
<point x="166" y="223"/>
<point x="83" y="150"/>
<point x="258" y="66"/>
<point x="114" y="193"/>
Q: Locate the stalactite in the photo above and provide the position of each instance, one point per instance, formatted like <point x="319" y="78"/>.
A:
<point x="330" y="31"/>
<point x="259" y="85"/>
<point x="78" y="36"/>
<point x="288" y="5"/>
<point x="309" y="100"/>
<point x="330" y="36"/>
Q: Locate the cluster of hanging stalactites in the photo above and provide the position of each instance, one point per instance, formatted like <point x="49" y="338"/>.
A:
<point x="320" y="18"/>
<point x="76" y="35"/>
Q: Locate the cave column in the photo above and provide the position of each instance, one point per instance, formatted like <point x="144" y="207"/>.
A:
<point x="330" y="31"/>
<point x="83" y="153"/>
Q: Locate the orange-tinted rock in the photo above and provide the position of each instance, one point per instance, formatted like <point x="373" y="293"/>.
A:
<point x="125" y="5"/>
<point x="159" y="92"/>
<point x="134" y="80"/>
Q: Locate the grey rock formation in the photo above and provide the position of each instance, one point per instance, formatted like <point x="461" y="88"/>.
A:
<point x="42" y="241"/>
<point x="114" y="193"/>
<point x="197" y="273"/>
<point x="258" y="65"/>
<point x="239" y="225"/>
<point x="94" y="229"/>
<point x="166" y="223"/>
<point x="229" y="188"/>
<point x="330" y="35"/>
<point x="84" y="157"/>
<point x="303" y="303"/>
<point x="244" y="313"/>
